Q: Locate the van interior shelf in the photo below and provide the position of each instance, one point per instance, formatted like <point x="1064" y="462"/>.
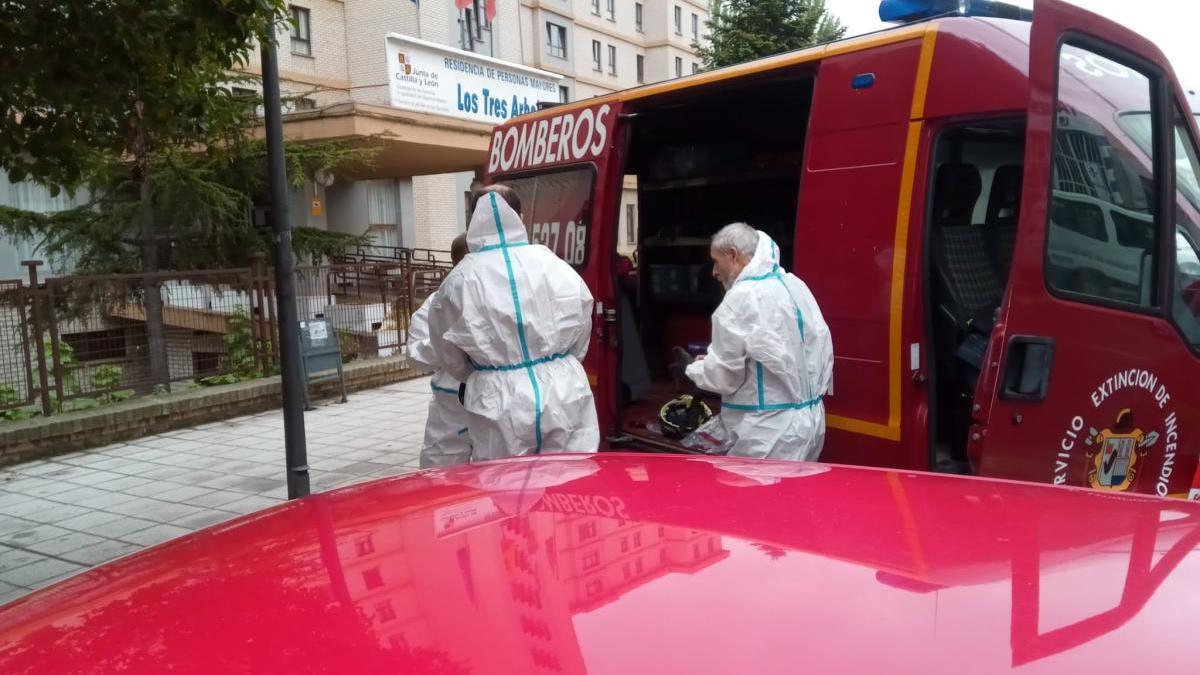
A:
<point x="715" y="179"/>
<point x="677" y="241"/>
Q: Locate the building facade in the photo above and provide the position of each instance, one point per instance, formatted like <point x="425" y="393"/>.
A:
<point x="338" y="64"/>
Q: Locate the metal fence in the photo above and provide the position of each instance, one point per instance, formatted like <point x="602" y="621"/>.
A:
<point x="74" y="342"/>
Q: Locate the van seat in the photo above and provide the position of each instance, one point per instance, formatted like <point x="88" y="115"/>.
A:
<point x="1003" y="211"/>
<point x="967" y="272"/>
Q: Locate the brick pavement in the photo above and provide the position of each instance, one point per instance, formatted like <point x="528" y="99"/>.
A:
<point x="63" y="515"/>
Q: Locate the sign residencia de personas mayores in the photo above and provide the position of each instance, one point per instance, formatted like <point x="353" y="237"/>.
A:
<point x="430" y="78"/>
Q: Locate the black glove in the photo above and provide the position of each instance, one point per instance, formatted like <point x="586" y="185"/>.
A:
<point x="678" y="367"/>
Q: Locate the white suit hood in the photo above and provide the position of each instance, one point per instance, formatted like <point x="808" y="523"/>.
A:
<point x="765" y="259"/>
<point x="483" y="233"/>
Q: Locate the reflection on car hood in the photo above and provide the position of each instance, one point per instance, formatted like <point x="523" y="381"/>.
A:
<point x="642" y="563"/>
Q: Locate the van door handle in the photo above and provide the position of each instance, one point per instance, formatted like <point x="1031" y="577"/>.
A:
<point x="1028" y="361"/>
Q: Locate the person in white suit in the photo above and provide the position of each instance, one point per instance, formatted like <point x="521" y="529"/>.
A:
<point x="771" y="356"/>
<point x="513" y="323"/>
<point x="446" y="442"/>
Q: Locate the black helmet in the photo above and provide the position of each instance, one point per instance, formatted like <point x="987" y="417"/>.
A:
<point x="681" y="416"/>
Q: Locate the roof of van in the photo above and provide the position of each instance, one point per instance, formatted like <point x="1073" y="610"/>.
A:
<point x="1013" y="28"/>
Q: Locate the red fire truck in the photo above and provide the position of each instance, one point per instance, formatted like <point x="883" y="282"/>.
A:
<point x="998" y="211"/>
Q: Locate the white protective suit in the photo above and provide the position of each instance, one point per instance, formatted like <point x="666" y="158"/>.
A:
<point x="513" y="322"/>
<point x="446" y="442"/>
<point x="771" y="359"/>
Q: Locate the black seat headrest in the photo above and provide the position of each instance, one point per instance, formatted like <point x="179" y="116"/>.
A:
<point x="1004" y="200"/>
<point x="956" y="190"/>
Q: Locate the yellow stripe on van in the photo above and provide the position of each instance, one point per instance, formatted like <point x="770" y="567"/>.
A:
<point x="777" y="62"/>
<point x="912" y="146"/>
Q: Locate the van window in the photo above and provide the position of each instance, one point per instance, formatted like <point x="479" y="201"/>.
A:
<point x="557" y="210"/>
<point x="1185" y="305"/>
<point x="1102" y="240"/>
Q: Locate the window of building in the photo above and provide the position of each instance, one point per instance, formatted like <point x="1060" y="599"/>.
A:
<point x="631" y="221"/>
<point x="556" y="40"/>
<point x="384" y="612"/>
<point x="372" y="578"/>
<point x="612" y="10"/>
<point x="624" y="544"/>
<point x="593" y="587"/>
<point x="564" y="93"/>
<point x="637" y="566"/>
<point x="641" y="69"/>
<point x="591" y="560"/>
<point x="301" y="31"/>
<point x="596" y="56"/>
<point x="612" y="59"/>
<point x="678" y="66"/>
<point x="472" y="22"/>
<point x="626" y="570"/>
<point x="637" y="539"/>
<point x="587" y="531"/>
<point x="1102" y="242"/>
<point x="364" y="546"/>
<point x="637" y="16"/>
<point x="205" y="363"/>
<point x="97" y="345"/>
<point x="695" y="67"/>
<point x="678" y="20"/>
<point x="596" y="7"/>
<point x="243" y="92"/>
<point x="695" y="27"/>
<point x="303" y="103"/>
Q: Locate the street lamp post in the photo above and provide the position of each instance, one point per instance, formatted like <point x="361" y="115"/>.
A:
<point x="285" y="282"/>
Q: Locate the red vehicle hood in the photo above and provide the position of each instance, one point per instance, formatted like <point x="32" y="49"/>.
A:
<point x="643" y="563"/>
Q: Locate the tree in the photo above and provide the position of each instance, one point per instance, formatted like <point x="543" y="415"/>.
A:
<point x="130" y="101"/>
<point x="743" y="30"/>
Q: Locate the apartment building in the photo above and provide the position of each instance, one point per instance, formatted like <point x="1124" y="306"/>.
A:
<point x="343" y="62"/>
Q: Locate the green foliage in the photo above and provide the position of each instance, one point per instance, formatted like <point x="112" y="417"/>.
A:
<point x="106" y="378"/>
<point x="150" y="113"/>
<point x="317" y="245"/>
<point x="348" y="344"/>
<point x="85" y="82"/>
<point x="744" y="30"/>
<point x="9" y="396"/>
<point x="240" y="363"/>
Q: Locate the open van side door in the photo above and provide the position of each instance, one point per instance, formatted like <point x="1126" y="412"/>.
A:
<point x="1091" y="372"/>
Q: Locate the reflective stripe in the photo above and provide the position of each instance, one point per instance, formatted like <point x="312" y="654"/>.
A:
<point x="462" y="431"/>
<point x="774" y="274"/>
<point x="528" y="363"/>
<point x="442" y="390"/>
<point x="519" y="366"/>
<point x="761" y="394"/>
<point x="502" y="244"/>
<point x="803" y="405"/>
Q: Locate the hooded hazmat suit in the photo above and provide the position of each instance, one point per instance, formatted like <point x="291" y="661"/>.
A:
<point x="513" y="321"/>
<point x="446" y="442"/>
<point x="771" y="359"/>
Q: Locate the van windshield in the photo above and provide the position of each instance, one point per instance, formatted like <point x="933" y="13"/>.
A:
<point x="557" y="210"/>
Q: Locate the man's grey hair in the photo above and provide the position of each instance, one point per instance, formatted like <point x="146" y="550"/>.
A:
<point x="738" y="237"/>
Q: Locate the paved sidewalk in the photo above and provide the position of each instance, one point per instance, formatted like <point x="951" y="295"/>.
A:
<point x="63" y="515"/>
